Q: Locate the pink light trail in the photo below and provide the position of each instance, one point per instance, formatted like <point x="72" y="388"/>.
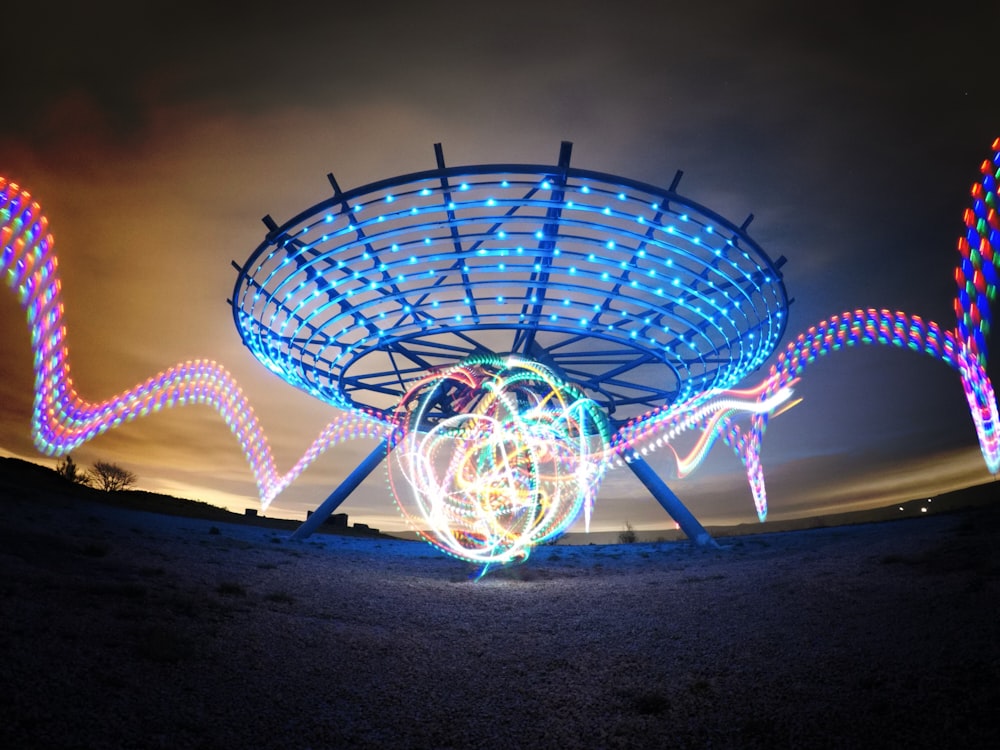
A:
<point x="62" y="420"/>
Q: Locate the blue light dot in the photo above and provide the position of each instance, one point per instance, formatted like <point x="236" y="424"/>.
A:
<point x="425" y="192"/>
<point x="585" y="189"/>
<point x="389" y="199"/>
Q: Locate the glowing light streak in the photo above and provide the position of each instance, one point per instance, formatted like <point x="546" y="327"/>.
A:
<point x="963" y="349"/>
<point x="523" y="453"/>
<point x="62" y="420"/>
<point x="513" y="468"/>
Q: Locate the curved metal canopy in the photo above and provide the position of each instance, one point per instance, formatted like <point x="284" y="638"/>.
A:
<point x="634" y="293"/>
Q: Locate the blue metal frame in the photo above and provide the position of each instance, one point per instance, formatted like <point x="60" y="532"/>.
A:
<point x="690" y="525"/>
<point x="635" y="293"/>
<point x="344" y="489"/>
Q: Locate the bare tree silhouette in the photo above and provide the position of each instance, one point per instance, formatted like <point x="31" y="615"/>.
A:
<point x="111" y="477"/>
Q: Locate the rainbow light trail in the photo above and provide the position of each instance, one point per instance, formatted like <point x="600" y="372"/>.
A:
<point x="514" y="468"/>
<point x="560" y="438"/>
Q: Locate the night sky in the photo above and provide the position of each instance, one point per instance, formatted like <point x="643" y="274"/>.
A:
<point x="156" y="135"/>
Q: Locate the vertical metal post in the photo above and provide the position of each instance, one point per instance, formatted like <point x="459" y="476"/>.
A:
<point x="671" y="503"/>
<point x="356" y="477"/>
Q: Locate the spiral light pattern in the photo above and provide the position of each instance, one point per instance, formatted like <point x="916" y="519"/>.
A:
<point x="514" y="466"/>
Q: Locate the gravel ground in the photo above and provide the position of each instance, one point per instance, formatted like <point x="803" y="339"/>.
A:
<point x="123" y="629"/>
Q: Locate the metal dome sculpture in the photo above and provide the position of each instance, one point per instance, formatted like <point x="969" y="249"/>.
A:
<point x="634" y="294"/>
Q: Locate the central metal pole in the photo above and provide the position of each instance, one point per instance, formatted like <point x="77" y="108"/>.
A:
<point x="340" y="494"/>
<point x="671" y="503"/>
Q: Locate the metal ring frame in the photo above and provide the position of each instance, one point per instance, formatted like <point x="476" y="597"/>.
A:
<point x="636" y="294"/>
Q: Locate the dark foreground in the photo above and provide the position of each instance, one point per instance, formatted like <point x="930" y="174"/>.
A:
<point x="123" y="629"/>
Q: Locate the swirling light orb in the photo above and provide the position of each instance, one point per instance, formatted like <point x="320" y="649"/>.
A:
<point x="513" y="464"/>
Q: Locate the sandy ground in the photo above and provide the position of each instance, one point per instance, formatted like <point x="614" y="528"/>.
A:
<point x="123" y="629"/>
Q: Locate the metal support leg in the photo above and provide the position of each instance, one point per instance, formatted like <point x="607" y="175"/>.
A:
<point x="340" y="494"/>
<point x="671" y="503"/>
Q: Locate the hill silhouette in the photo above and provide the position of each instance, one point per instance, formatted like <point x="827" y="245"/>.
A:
<point x="21" y="479"/>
